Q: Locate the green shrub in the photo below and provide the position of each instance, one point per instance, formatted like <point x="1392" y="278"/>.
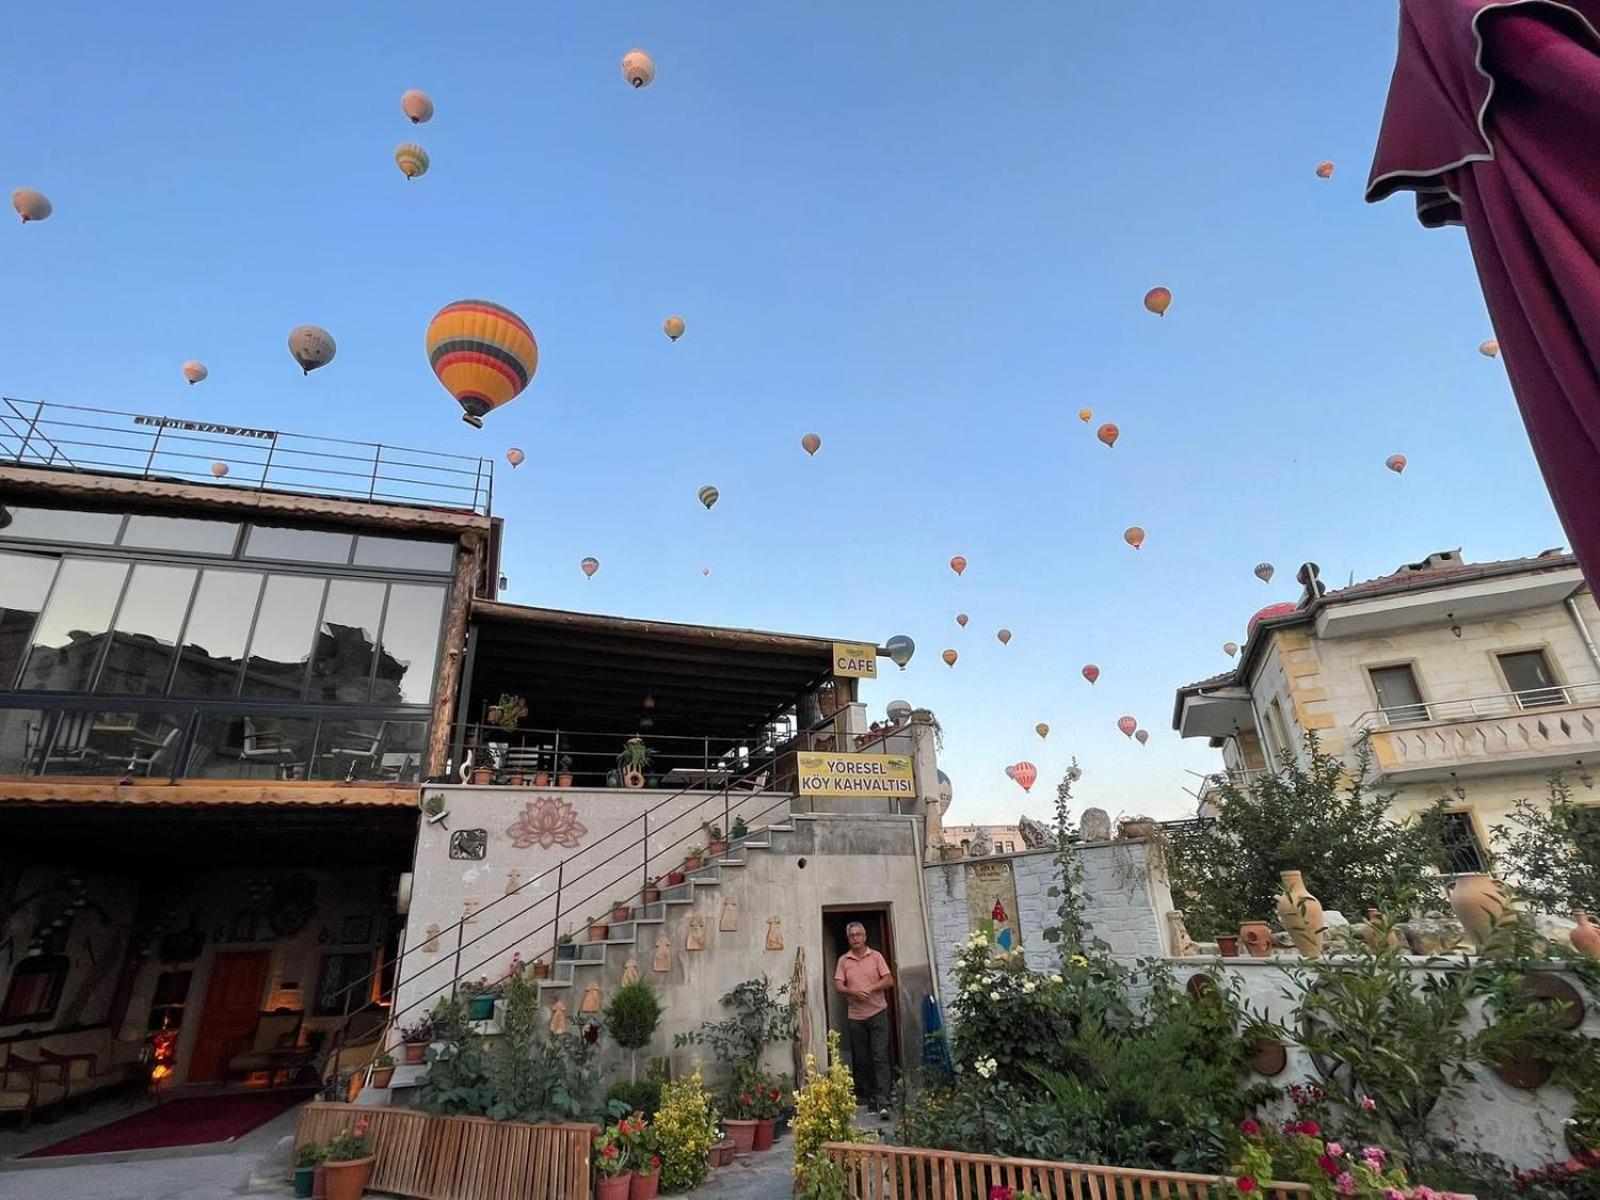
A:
<point x="685" y="1128"/>
<point x="631" y="1020"/>
<point x="642" y="1095"/>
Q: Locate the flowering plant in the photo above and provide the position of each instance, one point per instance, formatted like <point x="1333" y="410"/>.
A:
<point x="638" y="1141"/>
<point x="767" y="1098"/>
<point x="999" y="1192"/>
<point x="1577" y="1177"/>
<point x="610" y="1152"/>
<point x="1299" y="1152"/>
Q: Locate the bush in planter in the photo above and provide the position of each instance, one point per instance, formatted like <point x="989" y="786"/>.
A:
<point x="631" y="1019"/>
<point x="685" y="1129"/>
<point x="759" y="1019"/>
<point x="824" y="1111"/>
<point x="479" y="997"/>
<point x="641" y="1096"/>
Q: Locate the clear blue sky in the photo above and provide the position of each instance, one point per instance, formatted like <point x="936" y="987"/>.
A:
<point x="922" y="230"/>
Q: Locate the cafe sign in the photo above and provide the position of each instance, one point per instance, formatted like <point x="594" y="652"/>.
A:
<point x="854" y="774"/>
<point x="855" y="660"/>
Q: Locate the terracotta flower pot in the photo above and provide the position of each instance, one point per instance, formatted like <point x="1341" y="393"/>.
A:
<point x="482" y="776"/>
<point x="348" y="1180"/>
<point x="1370" y="933"/>
<point x="674" y="878"/>
<point x="414" y="1054"/>
<point x="651" y="895"/>
<point x="612" y="1187"/>
<point x="1586" y="937"/>
<point x="319" y="1182"/>
<point x="1300" y="913"/>
<point x="1227" y="945"/>
<point x="541" y="779"/>
<point x="564" y="779"/>
<point x="381" y="1076"/>
<point x="693" y="862"/>
<point x="643" y="1185"/>
<point x="541" y="968"/>
<point x="514" y="778"/>
<point x="598" y="931"/>
<point x="742" y="1134"/>
<point x="763" y="1134"/>
<point x="722" y="1153"/>
<point x="1256" y="937"/>
<point x="716" y="848"/>
<point x="1482" y="906"/>
<point x="621" y="912"/>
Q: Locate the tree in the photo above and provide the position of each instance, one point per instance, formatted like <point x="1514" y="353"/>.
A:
<point x="1554" y="857"/>
<point x="631" y="1020"/>
<point x="1319" y="818"/>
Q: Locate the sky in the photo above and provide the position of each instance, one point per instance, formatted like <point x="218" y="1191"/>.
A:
<point x="920" y="230"/>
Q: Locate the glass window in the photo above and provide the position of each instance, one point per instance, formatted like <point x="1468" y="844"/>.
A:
<point x="1529" y="674"/>
<point x="404" y="554"/>
<point x="410" y="645"/>
<point x="1462" y="852"/>
<point x="386" y="750"/>
<point x="297" y="545"/>
<point x="142" y="745"/>
<point x="72" y="630"/>
<point x="347" y="640"/>
<point x="181" y="533"/>
<point x="22" y="737"/>
<point x="24" y="583"/>
<point x="231" y="746"/>
<point x="280" y="647"/>
<point x="213" y="641"/>
<point x="1398" y="694"/>
<point x="59" y="525"/>
<point x="145" y="633"/>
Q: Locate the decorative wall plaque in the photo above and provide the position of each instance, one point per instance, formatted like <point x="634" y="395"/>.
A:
<point x="469" y="843"/>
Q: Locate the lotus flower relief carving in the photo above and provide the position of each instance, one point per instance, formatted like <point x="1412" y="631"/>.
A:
<point x="546" y="822"/>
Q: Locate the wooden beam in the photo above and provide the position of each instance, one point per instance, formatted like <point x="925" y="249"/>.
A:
<point x="202" y="792"/>
<point x="643" y="660"/>
<point x="491" y="680"/>
<point x="469" y="560"/>
<point x="707" y="635"/>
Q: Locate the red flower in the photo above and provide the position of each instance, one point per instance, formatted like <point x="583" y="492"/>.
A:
<point x="1329" y="1164"/>
<point x="1249" y="1127"/>
<point x="655" y="1162"/>
<point x="1001" y="1193"/>
<point x="1246" y="1183"/>
<point x="775" y="1093"/>
<point x="744" y="1098"/>
<point x="1310" y="1128"/>
<point x="609" y="1152"/>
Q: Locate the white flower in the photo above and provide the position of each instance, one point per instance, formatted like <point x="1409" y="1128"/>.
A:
<point x="985" y="1067"/>
<point x="1055" y="979"/>
<point x="1028" y="985"/>
<point x="994" y="995"/>
<point x="974" y="988"/>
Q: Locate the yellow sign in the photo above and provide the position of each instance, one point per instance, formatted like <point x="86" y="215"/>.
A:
<point x="854" y="774"/>
<point x="855" y="660"/>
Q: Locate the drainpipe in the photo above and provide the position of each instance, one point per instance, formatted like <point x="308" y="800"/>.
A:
<point x="1583" y="630"/>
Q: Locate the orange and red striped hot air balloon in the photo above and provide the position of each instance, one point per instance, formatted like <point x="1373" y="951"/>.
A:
<point x="483" y="353"/>
<point x="1024" y="773"/>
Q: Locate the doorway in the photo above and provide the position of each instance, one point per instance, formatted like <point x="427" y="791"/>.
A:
<point x="232" y="1008"/>
<point x="878" y="921"/>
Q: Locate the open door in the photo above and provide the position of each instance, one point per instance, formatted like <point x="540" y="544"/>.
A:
<point x="879" y="925"/>
<point x="232" y="1007"/>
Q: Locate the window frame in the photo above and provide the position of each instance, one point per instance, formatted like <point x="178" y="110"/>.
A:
<point x="1424" y="700"/>
<point x="1480" y="843"/>
<point x="1559" y="683"/>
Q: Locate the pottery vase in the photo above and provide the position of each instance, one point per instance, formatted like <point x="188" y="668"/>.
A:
<point x="742" y="1134"/>
<point x="348" y="1180"/>
<point x="1482" y="907"/>
<point x="1300" y="914"/>
<point x="1256" y="938"/>
<point x="1586" y="937"/>
<point x="1227" y="945"/>
<point x="643" y="1185"/>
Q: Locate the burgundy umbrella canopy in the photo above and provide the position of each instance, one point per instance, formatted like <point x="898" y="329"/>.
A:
<point x="1493" y="120"/>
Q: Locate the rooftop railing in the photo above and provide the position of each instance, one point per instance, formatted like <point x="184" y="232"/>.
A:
<point x="70" y="437"/>
<point x="1502" y="704"/>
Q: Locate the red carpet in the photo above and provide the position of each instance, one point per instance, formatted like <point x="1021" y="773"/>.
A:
<point x="185" y="1122"/>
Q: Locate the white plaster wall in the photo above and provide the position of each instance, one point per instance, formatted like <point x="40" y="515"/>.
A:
<point x="1523" y="1128"/>
<point x="1270" y="682"/>
<point x="1126" y="904"/>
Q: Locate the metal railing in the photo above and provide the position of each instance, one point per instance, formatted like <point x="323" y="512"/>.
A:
<point x="70" y="437"/>
<point x="1502" y="704"/>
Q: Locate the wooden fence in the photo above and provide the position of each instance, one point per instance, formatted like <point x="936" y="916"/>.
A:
<point x="461" y="1158"/>
<point x="907" y="1173"/>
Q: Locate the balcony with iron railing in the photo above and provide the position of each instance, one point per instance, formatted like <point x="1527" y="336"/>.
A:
<point x="1537" y="729"/>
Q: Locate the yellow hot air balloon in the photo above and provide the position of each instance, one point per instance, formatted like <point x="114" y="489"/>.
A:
<point x="312" y="347"/>
<point x="673" y="327"/>
<point x="1158" y="300"/>
<point x="811" y="443"/>
<point x="950" y="657"/>
<point x="417" y="106"/>
<point x="31" y="205"/>
<point x="708" y="495"/>
<point x="194" y="371"/>
<point x="638" y="68"/>
<point x="1042" y="729"/>
<point x="515" y="457"/>
<point x="1134" y="536"/>
<point x="219" y="469"/>
<point x="483" y="353"/>
<point x="1489" y="349"/>
<point x="1085" y="415"/>
<point x="412" y="159"/>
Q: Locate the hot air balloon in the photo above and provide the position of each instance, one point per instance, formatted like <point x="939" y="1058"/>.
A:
<point x="1127" y="725"/>
<point x="1324" y="169"/>
<point x="1143" y="735"/>
<point x="1264" y="572"/>
<point x="899" y="711"/>
<point x="417" y="106"/>
<point x="1011" y="772"/>
<point x="1091" y="673"/>
<point x="705" y="570"/>
<point x="311" y="346"/>
<point x="1158" y="300"/>
<point x="949" y="657"/>
<point x="219" y="469"/>
<point x="1395" y="463"/>
<point x="673" y="327"/>
<point x="484" y="355"/>
<point x="961" y="620"/>
<point x="708" y="495"/>
<point x="31" y="205"/>
<point x="1230" y="648"/>
<point x="515" y="457"/>
<point x="1042" y="729"/>
<point x="1489" y="349"/>
<point x="1005" y="637"/>
<point x="194" y="371"/>
<point x="1025" y="773"/>
<point x="1134" y="536"/>
<point x="412" y="159"/>
<point x="811" y="443"/>
<point x="900" y="649"/>
<point x="638" y="68"/>
<point x="1108" y="433"/>
<point x="1085" y="415"/>
<point x="589" y="566"/>
<point x="958" y="564"/>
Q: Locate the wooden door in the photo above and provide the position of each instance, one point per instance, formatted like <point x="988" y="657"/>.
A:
<point x="228" y="1016"/>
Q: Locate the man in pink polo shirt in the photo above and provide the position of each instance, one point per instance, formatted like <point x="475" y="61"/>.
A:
<point x="863" y="978"/>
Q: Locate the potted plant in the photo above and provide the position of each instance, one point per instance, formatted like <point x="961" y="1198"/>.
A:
<point x="768" y="1097"/>
<point x="631" y="1020"/>
<point x="480" y="997"/>
<point x="740" y="1118"/>
<point x="740" y="829"/>
<point x="598" y="930"/>
<point x="695" y="859"/>
<point x="382" y="1069"/>
<point x="482" y="766"/>
<point x="541" y="968"/>
<point x="644" y="1164"/>
<point x="610" y="1159"/>
<point x="306" y="1161"/>
<point x="508" y="713"/>
<point x="414" y="1040"/>
<point x="1135" y="827"/>
<point x="541" y="773"/>
<point x="564" y="947"/>
<point x="349" y="1164"/>
<point x="631" y="763"/>
<point x="674" y="878"/>
<point x="716" y="843"/>
<point x="564" y="771"/>
<point x="621" y="911"/>
<point x="652" y="891"/>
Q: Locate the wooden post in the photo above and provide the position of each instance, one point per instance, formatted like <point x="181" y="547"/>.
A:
<point x="468" y="560"/>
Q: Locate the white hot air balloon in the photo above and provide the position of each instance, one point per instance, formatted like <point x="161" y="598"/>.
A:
<point x="417" y="106"/>
<point x="1264" y="572"/>
<point x="194" y="371"/>
<point x="638" y="68"/>
<point x="312" y="347"/>
<point x="219" y="469"/>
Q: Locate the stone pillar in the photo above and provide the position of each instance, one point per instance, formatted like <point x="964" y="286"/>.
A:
<point x="925" y="771"/>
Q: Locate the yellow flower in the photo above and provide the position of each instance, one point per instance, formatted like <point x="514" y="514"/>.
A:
<point x="1078" y="960"/>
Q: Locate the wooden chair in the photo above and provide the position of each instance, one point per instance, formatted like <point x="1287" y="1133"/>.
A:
<point x="275" y="1047"/>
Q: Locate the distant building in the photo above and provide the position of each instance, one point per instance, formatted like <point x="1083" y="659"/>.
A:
<point x="1467" y="681"/>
